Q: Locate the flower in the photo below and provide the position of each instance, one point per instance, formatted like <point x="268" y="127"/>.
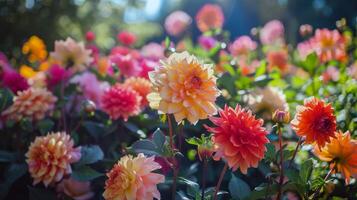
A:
<point x="104" y="66"/>
<point x="127" y="65"/>
<point x="341" y="154"/>
<point x="14" y="81"/>
<point x="272" y="33"/>
<point x="92" y="88"/>
<point x="177" y="22"/>
<point x="305" y="29"/>
<point x="49" y="157"/>
<point x="315" y="121"/>
<point x="142" y="86"/>
<point x="266" y="100"/>
<point x="132" y="178"/>
<point x="27" y="71"/>
<point x="248" y="67"/>
<point x="331" y="73"/>
<point x="56" y="74"/>
<point x="242" y="46"/>
<point x="184" y="87"/>
<point x="209" y="17"/>
<point x="71" y="54"/>
<point x="207" y="42"/>
<point x="278" y="59"/>
<point x="90" y="36"/>
<point x="33" y="103"/>
<point x="121" y="102"/>
<point x="305" y="48"/>
<point x="35" y="48"/>
<point x="126" y="38"/>
<point x="352" y="70"/>
<point x="38" y="81"/>
<point x="146" y="67"/>
<point x="153" y="51"/>
<point x="77" y="190"/>
<point x="239" y="138"/>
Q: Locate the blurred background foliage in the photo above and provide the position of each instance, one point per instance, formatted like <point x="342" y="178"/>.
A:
<point x="54" y="19"/>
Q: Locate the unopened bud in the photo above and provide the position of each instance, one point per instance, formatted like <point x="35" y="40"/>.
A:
<point x="169" y="51"/>
<point x="254" y="31"/>
<point x="204" y="152"/>
<point x="89" y="106"/>
<point x="340" y="24"/>
<point x="305" y="30"/>
<point x="281" y="116"/>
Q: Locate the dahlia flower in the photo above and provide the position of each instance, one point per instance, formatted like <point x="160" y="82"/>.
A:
<point x="248" y="67"/>
<point x="242" y="46"/>
<point x="38" y="81"/>
<point x="90" y="36"/>
<point x="14" y="81"/>
<point x="209" y="17"/>
<point x="127" y="65"/>
<point x="278" y="59"/>
<point x="184" y="87"/>
<point x="177" y="22"/>
<point x="104" y="66"/>
<point x="49" y="157"/>
<point x="331" y="73"/>
<point x="142" y="86"/>
<point x="71" y="54"/>
<point x="207" y="42"/>
<point x="33" y="103"/>
<point x="305" y="29"/>
<point x="56" y="74"/>
<point x="36" y="49"/>
<point x="153" y="51"/>
<point x="121" y="102"/>
<point x="266" y="100"/>
<point x="315" y="121"/>
<point x="132" y="178"/>
<point x="272" y="33"/>
<point x="239" y="138"/>
<point x="126" y="38"/>
<point x="146" y="67"/>
<point x="77" y="190"/>
<point x="341" y="154"/>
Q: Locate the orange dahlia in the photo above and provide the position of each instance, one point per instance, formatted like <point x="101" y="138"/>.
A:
<point x="49" y="157"/>
<point x="132" y="178"/>
<point x="278" y="59"/>
<point x="142" y="86"/>
<point x="121" y="102"/>
<point x="209" y="17"/>
<point x="239" y="138"/>
<point x="315" y="121"/>
<point x="184" y="87"/>
<point x="341" y="153"/>
<point x="33" y="103"/>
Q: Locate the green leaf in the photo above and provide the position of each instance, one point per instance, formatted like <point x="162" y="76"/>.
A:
<point x="263" y="190"/>
<point x="14" y="172"/>
<point x="90" y="154"/>
<point x="45" y="126"/>
<point x="167" y="42"/>
<point x="262" y="80"/>
<point x="238" y="188"/>
<point x="6" y="156"/>
<point x="159" y="138"/>
<point x="317" y="183"/>
<point x="305" y="171"/>
<point x="311" y="62"/>
<point x="95" y="129"/>
<point x="41" y="194"/>
<point x="6" y="97"/>
<point x="193" y="189"/>
<point x="85" y="173"/>
<point x="145" y="146"/>
<point x="261" y="69"/>
<point x="293" y="176"/>
<point x="270" y="153"/>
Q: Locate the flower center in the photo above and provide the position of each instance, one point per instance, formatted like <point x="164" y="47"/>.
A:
<point x="196" y="82"/>
<point x="324" y="124"/>
<point x="327" y="43"/>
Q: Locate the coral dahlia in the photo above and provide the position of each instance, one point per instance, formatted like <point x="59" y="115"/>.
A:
<point x="239" y="137"/>
<point x="132" y="178"/>
<point x="49" y="157"/>
<point x="315" y="121"/>
<point x="184" y="87"/>
<point x="341" y="154"/>
<point x="142" y="86"/>
<point x="121" y="102"/>
<point x="209" y="17"/>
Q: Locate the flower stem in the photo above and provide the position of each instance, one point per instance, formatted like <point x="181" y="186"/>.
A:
<point x="204" y="169"/>
<point x="170" y="131"/>
<point x="220" y="181"/>
<point x="295" y="152"/>
<point x="174" y="165"/>
<point x="281" y="180"/>
<point x="325" y="179"/>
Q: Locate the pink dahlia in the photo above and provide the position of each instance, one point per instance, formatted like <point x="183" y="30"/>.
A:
<point x="146" y="67"/>
<point x="49" y="157"/>
<point x="272" y="32"/>
<point x="126" y="38"/>
<point x="177" y="22"/>
<point x="240" y="138"/>
<point x="242" y="46"/>
<point x="209" y="17"/>
<point x="153" y="51"/>
<point x="121" y="102"/>
<point x="207" y="42"/>
<point x="127" y="65"/>
<point x="77" y="190"/>
<point x="14" y="81"/>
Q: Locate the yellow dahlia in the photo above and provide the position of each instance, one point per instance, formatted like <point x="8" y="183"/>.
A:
<point x="35" y="48"/>
<point x="132" y="178"/>
<point x="185" y="87"/>
<point x="266" y="100"/>
<point x="33" y="103"/>
<point x="49" y="157"/>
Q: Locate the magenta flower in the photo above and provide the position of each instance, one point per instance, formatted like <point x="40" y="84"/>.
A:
<point x="56" y="74"/>
<point x="177" y="22"/>
<point x="126" y="38"/>
<point x="207" y="42"/>
<point x="14" y="81"/>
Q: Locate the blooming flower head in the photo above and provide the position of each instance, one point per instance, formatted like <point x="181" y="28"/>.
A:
<point x="184" y="87"/>
<point x="104" y="66"/>
<point x="247" y="67"/>
<point x="49" y="157"/>
<point x="14" y="81"/>
<point x="55" y="75"/>
<point x="146" y="67"/>
<point x="71" y="54"/>
<point x="132" y="178"/>
<point x="266" y="100"/>
<point x="153" y="51"/>
<point x="177" y="22"/>
<point x="239" y="137"/>
<point x="142" y="86"/>
<point x="272" y="33"/>
<point x="209" y="17"/>
<point x="126" y="38"/>
<point x="331" y="73"/>
<point x="33" y="103"/>
<point x="121" y="102"/>
<point x="90" y="36"/>
<point x="35" y="48"/>
<point x="278" y="59"/>
<point x="127" y="65"/>
<point x="207" y="42"/>
<point x="315" y="121"/>
<point x="77" y="190"/>
<point x="242" y="46"/>
<point x="341" y="154"/>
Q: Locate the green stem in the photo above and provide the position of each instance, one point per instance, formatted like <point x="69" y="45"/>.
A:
<point x="215" y="196"/>
<point x="295" y="152"/>
<point x="204" y="169"/>
<point x="281" y="180"/>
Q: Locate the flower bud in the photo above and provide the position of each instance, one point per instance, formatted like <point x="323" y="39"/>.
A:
<point x="90" y="36"/>
<point x="305" y="30"/>
<point x="204" y="152"/>
<point x="89" y="106"/>
<point x="340" y="24"/>
<point x="281" y="116"/>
